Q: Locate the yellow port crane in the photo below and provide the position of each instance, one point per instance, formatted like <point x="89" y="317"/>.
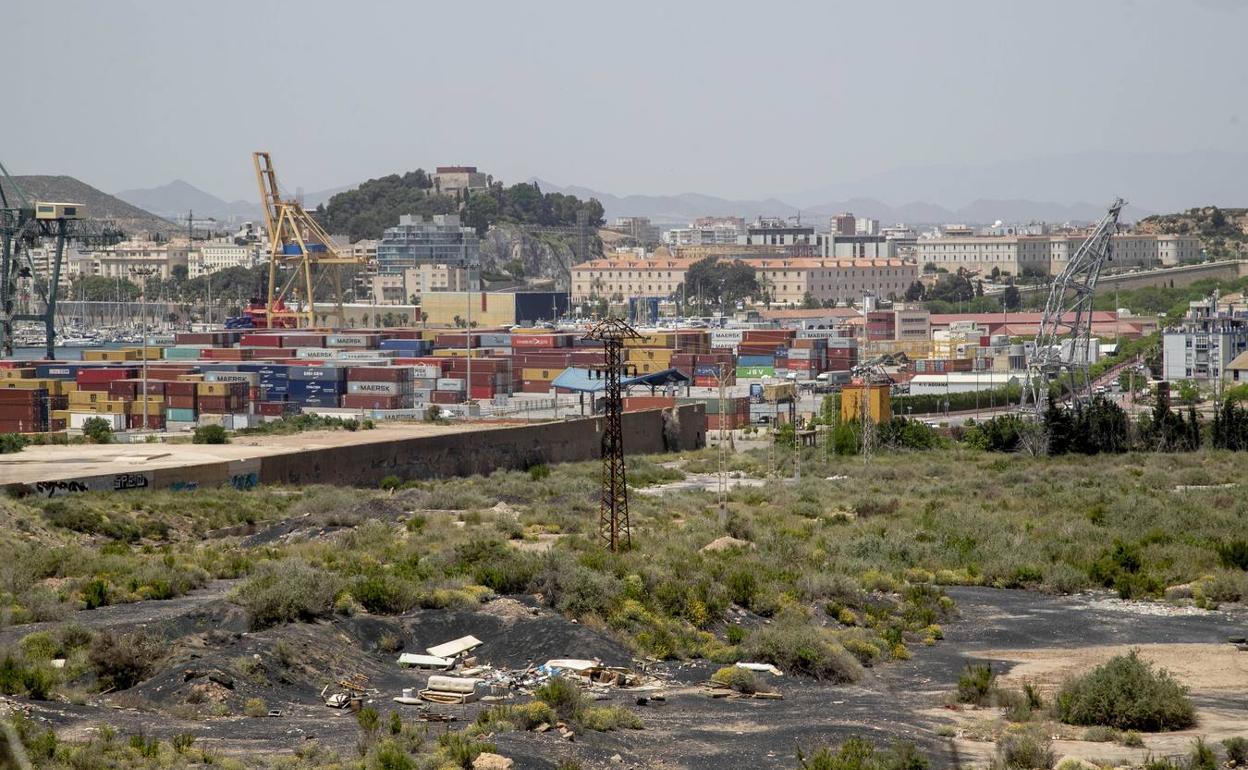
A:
<point x="296" y="241"/>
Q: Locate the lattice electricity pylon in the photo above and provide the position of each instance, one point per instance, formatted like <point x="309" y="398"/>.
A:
<point x="1068" y="313"/>
<point x="614" y="531"/>
<point x="868" y="373"/>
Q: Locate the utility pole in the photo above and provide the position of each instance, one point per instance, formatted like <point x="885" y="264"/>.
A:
<point x="723" y="449"/>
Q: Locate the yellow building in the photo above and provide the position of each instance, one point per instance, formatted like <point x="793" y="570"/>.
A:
<point x="879" y="402"/>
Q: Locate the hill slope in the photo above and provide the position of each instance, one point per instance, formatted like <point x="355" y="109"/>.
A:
<point x="100" y="205"/>
<point x="178" y="197"/>
<point x="1222" y="231"/>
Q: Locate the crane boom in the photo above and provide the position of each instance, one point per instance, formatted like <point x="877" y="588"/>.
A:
<point x="1068" y="315"/>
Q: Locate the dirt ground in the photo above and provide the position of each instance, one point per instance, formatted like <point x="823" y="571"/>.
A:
<point x="1027" y="635"/>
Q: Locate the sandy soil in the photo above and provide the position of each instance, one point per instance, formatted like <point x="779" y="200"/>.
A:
<point x="1205" y="668"/>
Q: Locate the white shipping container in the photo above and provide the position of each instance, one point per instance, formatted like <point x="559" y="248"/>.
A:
<point x="173" y="426"/>
<point x="212" y="419"/>
<point x="453" y="384"/>
<point x="801" y="354"/>
<point x="347" y="340"/>
<point x="365" y="355"/>
<point x="251" y="378"/>
<point x="376" y="388"/>
<point x="426" y="372"/>
<point x="115" y="421"/>
<point x="323" y="353"/>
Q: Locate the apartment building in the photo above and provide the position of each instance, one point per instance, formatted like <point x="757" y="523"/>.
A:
<point x="439" y="239"/>
<point x="787" y="281"/>
<point x="721" y="234"/>
<point x="1211" y="336"/>
<point x="639" y="229"/>
<point x="210" y="256"/>
<point x="859" y="246"/>
<point x="399" y="288"/>
<point x="132" y="260"/>
<point x="773" y="231"/>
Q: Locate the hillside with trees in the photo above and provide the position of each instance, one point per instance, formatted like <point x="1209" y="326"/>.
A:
<point x="366" y="211"/>
<point x="1222" y="232"/>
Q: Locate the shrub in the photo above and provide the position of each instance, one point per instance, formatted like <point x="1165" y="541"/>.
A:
<point x="604" y="718"/>
<point x="182" y="742"/>
<point x="1126" y="693"/>
<point x="39" y="646"/>
<point x="390" y="483"/>
<point x="12" y="442"/>
<point x="1202" y="756"/>
<point x="38" y="681"/>
<point x="1132" y="739"/>
<point x="861" y="754"/>
<point x="739" y="679"/>
<point x="1236" y="751"/>
<point x="461" y="750"/>
<point x="975" y="683"/>
<point x="539" y="472"/>
<point x="255" y="707"/>
<point x="383" y="594"/>
<point x="805" y="650"/>
<point x="97" y="430"/>
<point x="562" y="695"/>
<point x="210" y="434"/>
<point x="1026" y="749"/>
<point x="121" y="662"/>
<point x="286" y="591"/>
<point x="1234" y="554"/>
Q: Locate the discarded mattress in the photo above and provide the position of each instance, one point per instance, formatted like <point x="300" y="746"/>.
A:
<point x="762" y="668"/>
<point x="425" y="661"/>
<point x="454" y="647"/>
<point x="452" y="689"/>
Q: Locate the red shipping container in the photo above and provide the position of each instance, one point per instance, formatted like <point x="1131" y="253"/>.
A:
<point x="535" y="386"/>
<point x="276" y="408"/>
<point x="446" y="397"/>
<point x="379" y="374"/>
<point x="180" y="388"/>
<point x="123" y="390"/>
<point x="55" y="424"/>
<point x="104" y="374"/>
<point x="180" y="402"/>
<point x="154" y="421"/>
<point x="535" y="341"/>
<point x="350" y="401"/>
<point x="482" y="391"/>
<point x="642" y="403"/>
<point x="22" y="396"/>
<point x="262" y="340"/>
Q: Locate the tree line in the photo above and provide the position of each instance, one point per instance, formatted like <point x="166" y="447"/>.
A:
<point x="366" y="211"/>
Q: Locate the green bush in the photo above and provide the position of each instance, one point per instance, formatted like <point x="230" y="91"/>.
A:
<point x="286" y="591"/>
<point x="121" y="662"/>
<point x="390" y="483"/>
<point x="1202" y="756"/>
<point x="563" y="695"/>
<point x="97" y="430"/>
<point x="210" y="434"/>
<point x="1126" y="693"/>
<point x="1025" y="749"/>
<point x="1234" y="554"/>
<point x="1237" y="751"/>
<point x="804" y="650"/>
<point x="461" y="749"/>
<point x="975" y="684"/>
<point x="383" y="594"/>
<point x="605" y="718"/>
<point x="739" y="679"/>
<point x="861" y="754"/>
<point x="12" y="442"/>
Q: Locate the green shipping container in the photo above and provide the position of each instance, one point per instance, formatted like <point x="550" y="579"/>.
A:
<point x="182" y="354"/>
<point x="180" y="415"/>
<point x="755" y="372"/>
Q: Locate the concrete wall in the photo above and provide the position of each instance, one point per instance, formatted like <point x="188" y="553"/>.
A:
<point x="453" y="454"/>
<point x="1170" y="277"/>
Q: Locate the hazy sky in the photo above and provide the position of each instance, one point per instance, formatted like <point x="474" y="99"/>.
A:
<point x="728" y="98"/>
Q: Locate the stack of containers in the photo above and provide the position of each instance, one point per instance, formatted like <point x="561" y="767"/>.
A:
<point x="222" y="400"/>
<point x="808" y="357"/>
<point x="650" y="353"/>
<point x="842" y="354"/>
<point x="378" y="387"/>
<point x="736" y="413"/>
<point x="181" y="403"/>
<point x="425" y="374"/>
<point x="705" y="368"/>
<point x="23" y="410"/>
<point x="407" y="348"/>
<point x="498" y="343"/>
<point x="354" y="341"/>
<point x="763" y="353"/>
<point x="137" y="394"/>
<point x="90" y="397"/>
<point x="272" y="389"/>
<point x="317" y="386"/>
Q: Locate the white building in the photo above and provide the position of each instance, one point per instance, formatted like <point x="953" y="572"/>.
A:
<point x="400" y="288"/>
<point x="708" y="235"/>
<point x="1049" y="254"/>
<point x="134" y="261"/>
<point x="1202" y="347"/>
<point x="211" y="256"/>
<point x="959" y="382"/>
<point x="866" y="226"/>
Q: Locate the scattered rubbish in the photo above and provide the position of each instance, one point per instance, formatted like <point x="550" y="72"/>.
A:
<point x="455" y="647"/>
<point x="338" y="700"/>
<point x="275" y="712"/>
<point x="1197" y="487"/>
<point x="838" y="477"/>
<point x="726" y="542"/>
<point x="408" y="698"/>
<point x="58" y="663"/>
<point x="717" y="690"/>
<point x="761" y="667"/>
<point x="490" y="761"/>
<point x="452" y="689"/>
<point x="425" y="661"/>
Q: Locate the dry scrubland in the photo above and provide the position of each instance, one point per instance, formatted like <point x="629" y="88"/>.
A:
<point x="823" y="577"/>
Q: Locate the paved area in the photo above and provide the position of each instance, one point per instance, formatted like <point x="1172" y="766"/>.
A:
<point x="49" y="463"/>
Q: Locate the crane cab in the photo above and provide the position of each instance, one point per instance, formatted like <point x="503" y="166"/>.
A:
<point x="45" y="210"/>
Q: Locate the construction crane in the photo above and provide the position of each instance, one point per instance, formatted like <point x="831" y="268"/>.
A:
<point x="24" y="225"/>
<point x="1065" y="335"/>
<point x="298" y="244"/>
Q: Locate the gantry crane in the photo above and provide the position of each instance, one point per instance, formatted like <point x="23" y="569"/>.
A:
<point x="1068" y="315"/>
<point x="23" y="225"/>
<point x="296" y="241"/>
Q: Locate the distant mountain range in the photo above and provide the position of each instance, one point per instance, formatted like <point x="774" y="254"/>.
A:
<point x="133" y="220"/>
<point x="1012" y="191"/>
<point x="178" y="197"/>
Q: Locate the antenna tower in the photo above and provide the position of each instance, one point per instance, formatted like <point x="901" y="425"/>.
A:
<point x="614" y="531"/>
